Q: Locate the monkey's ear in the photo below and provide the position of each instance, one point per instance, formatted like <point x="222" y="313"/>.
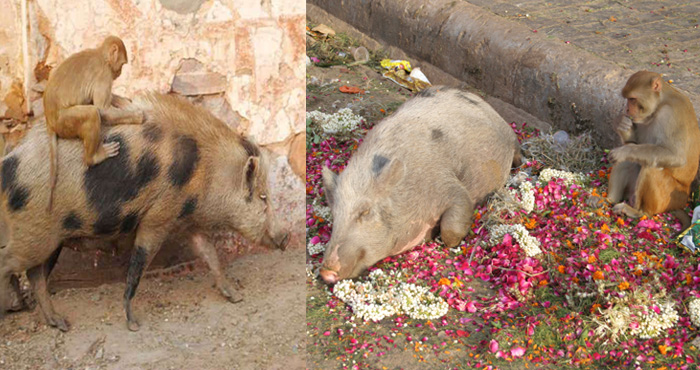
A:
<point x="657" y="84"/>
<point x="251" y="170"/>
<point x="113" y="54"/>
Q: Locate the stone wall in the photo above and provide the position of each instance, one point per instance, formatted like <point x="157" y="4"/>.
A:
<point x="241" y="59"/>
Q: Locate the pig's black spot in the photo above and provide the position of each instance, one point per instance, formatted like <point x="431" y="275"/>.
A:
<point x="467" y="98"/>
<point x="107" y="221"/>
<point x="129" y="223"/>
<point x="436" y="134"/>
<point x="152" y="133"/>
<point x="188" y="207"/>
<point x="72" y="222"/>
<point x="111" y="183"/>
<point x="17" y="195"/>
<point x="147" y="169"/>
<point x="250" y="148"/>
<point x="427" y="93"/>
<point x="186" y="154"/>
<point x="378" y="163"/>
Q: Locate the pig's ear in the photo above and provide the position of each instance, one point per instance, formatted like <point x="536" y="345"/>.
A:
<point x="389" y="175"/>
<point x="329" y="181"/>
<point x="251" y="170"/>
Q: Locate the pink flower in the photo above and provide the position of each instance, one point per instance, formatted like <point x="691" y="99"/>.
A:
<point x="471" y="307"/>
<point x="493" y="346"/>
<point x="634" y="325"/>
<point x="517" y="351"/>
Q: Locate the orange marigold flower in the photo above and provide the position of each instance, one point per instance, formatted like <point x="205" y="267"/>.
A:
<point x="457" y="283"/>
<point x="624" y="285"/>
<point x="595" y="307"/>
<point x="543" y="282"/>
<point x="598" y="275"/>
<point x="592" y="259"/>
<point x="444" y="281"/>
<point x="637" y="272"/>
<point x="575" y="279"/>
<point x="561" y="269"/>
<point x="663" y="349"/>
<point x="605" y="228"/>
<point x="620" y="221"/>
<point x="530" y="224"/>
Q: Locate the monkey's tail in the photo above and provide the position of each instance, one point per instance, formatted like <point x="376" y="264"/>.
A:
<point x="53" y="166"/>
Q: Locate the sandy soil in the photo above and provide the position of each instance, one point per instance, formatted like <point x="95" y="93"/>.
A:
<point x="185" y="323"/>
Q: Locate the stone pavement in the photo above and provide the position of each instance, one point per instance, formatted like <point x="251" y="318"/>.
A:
<point x="660" y="36"/>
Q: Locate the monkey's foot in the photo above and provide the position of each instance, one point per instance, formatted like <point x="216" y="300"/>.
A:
<point x="626" y="209"/>
<point x="230" y="294"/>
<point x="57" y="321"/>
<point x="111" y="148"/>
<point x="596" y="201"/>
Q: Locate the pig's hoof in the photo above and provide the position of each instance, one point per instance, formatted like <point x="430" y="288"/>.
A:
<point x="450" y="238"/>
<point x="230" y="294"/>
<point x="133" y="325"/>
<point x="59" y="322"/>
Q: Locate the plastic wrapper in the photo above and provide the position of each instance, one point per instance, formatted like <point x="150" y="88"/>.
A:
<point x="690" y="237"/>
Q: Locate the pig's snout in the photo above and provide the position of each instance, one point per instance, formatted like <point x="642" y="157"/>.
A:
<point x="329" y="276"/>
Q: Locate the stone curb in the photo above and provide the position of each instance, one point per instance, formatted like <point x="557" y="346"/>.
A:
<point x="555" y="82"/>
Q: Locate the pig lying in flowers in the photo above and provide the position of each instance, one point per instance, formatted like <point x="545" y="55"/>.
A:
<point x="434" y="159"/>
<point x="182" y="170"/>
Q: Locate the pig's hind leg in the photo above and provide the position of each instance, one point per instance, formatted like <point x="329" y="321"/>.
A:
<point x="455" y="221"/>
<point x="207" y="252"/>
<point x="38" y="277"/>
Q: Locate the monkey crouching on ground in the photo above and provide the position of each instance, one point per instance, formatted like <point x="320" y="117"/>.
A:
<point x="658" y="160"/>
<point x="78" y="99"/>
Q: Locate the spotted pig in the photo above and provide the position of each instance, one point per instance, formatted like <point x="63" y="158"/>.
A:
<point x="182" y="170"/>
<point x="430" y="163"/>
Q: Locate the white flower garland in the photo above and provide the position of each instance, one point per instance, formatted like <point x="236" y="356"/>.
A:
<point x="527" y="242"/>
<point x="569" y="177"/>
<point x="527" y="196"/>
<point x="322" y="211"/>
<point x="340" y="124"/>
<point x="694" y="310"/>
<point x="315" y="249"/>
<point x="652" y="324"/>
<point x="385" y="295"/>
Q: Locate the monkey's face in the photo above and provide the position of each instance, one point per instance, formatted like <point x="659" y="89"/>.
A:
<point x="117" y="68"/>
<point x="640" y="109"/>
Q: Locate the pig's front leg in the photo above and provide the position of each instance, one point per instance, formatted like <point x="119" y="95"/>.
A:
<point x="207" y="252"/>
<point x="38" y="276"/>
<point x="457" y="218"/>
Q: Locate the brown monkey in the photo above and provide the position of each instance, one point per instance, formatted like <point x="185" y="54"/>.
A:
<point x="78" y="99"/>
<point x="659" y="157"/>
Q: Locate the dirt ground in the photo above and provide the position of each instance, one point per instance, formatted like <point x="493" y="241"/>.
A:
<point x="185" y="323"/>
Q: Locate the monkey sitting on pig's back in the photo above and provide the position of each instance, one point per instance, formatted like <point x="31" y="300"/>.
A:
<point x="434" y="159"/>
<point x="182" y="169"/>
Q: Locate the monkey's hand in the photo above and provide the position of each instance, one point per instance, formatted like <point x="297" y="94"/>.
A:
<point x="620" y="154"/>
<point x="624" y="127"/>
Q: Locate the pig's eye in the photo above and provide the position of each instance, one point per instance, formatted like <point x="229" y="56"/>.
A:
<point x="363" y="213"/>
